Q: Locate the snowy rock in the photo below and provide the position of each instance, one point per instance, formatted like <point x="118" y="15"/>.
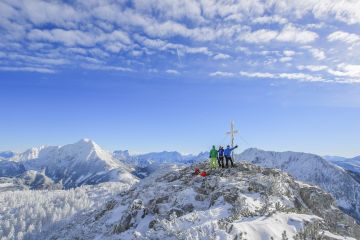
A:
<point x="245" y="201"/>
<point x="312" y="169"/>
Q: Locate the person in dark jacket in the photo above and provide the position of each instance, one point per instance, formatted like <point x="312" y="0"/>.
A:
<point x="221" y="157"/>
<point x="227" y="153"/>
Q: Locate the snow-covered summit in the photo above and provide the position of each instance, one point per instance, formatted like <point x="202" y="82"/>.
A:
<point x="245" y="202"/>
<point x="83" y="162"/>
<point x="312" y="169"/>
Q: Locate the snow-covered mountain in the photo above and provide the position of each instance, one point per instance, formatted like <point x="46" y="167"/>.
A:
<point x="5" y="155"/>
<point x="165" y="157"/>
<point x="30" y="179"/>
<point x="315" y="170"/>
<point x="121" y="155"/>
<point x="245" y="202"/>
<point x="146" y="164"/>
<point x="73" y="165"/>
<point x="350" y="164"/>
<point x="10" y="169"/>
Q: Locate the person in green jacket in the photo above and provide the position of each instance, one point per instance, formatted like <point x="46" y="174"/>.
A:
<point x="213" y="158"/>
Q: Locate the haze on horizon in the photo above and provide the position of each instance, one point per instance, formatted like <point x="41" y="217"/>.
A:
<point x="170" y="75"/>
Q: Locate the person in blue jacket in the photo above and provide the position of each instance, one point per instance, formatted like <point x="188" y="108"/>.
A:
<point x="221" y="157"/>
<point x="227" y="153"/>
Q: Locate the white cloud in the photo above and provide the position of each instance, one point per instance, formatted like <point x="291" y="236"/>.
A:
<point x="221" y="56"/>
<point x="172" y="71"/>
<point x="42" y="12"/>
<point x="115" y="47"/>
<point x="76" y="37"/>
<point x="270" y="19"/>
<point x="107" y="68"/>
<point x="301" y="77"/>
<point x="27" y="69"/>
<point x="317" y="53"/>
<point x="344" y="11"/>
<point x="67" y="37"/>
<point x="172" y="9"/>
<point x="312" y="68"/>
<point x="289" y="33"/>
<point x="289" y="53"/>
<point x="285" y="59"/>
<point x="258" y="74"/>
<point x="221" y="74"/>
<point x="343" y="37"/>
<point x="293" y="76"/>
<point x="163" y="45"/>
<point x="346" y="70"/>
<point x="117" y="32"/>
<point x="36" y="59"/>
<point x="259" y="36"/>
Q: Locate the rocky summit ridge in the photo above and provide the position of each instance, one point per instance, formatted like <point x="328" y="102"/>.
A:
<point x="244" y="202"/>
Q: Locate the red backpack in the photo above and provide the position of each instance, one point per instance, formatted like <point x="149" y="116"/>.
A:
<point x="203" y="174"/>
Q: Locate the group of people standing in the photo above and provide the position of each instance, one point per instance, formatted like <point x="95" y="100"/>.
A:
<point x="217" y="157"/>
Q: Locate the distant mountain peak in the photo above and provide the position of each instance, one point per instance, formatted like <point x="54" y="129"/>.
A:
<point x="87" y="142"/>
<point x="83" y="162"/>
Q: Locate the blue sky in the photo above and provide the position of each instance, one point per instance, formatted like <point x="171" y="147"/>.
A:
<point x="172" y="74"/>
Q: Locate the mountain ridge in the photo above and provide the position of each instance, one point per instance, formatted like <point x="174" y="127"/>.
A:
<point x="83" y="162"/>
<point x="313" y="169"/>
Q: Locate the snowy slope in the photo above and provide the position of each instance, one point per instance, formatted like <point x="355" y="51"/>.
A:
<point x="246" y="202"/>
<point x="351" y="164"/>
<point x="312" y="169"/>
<point x="25" y="214"/>
<point x="76" y="164"/>
<point x="28" y="180"/>
<point x="10" y="169"/>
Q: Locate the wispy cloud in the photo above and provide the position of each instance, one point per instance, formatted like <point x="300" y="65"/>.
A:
<point x="27" y="69"/>
<point x="292" y="76"/>
<point x="107" y="68"/>
<point x="221" y="74"/>
<point x="289" y="33"/>
<point x="221" y="56"/>
<point x="172" y="71"/>
<point x="343" y="37"/>
<point x="312" y="68"/>
<point x="198" y="35"/>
